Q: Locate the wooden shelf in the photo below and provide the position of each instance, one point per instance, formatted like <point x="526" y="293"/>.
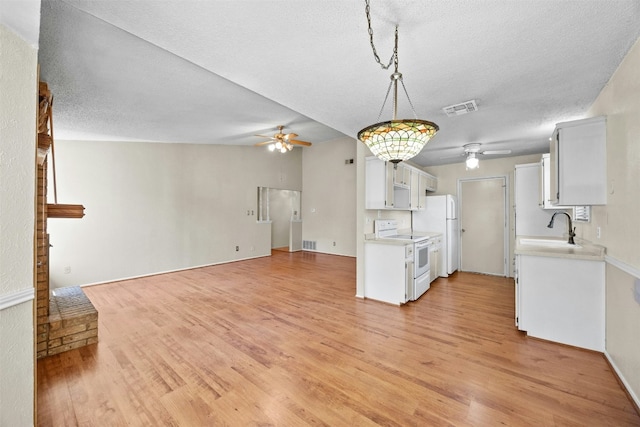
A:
<point x="64" y="211"/>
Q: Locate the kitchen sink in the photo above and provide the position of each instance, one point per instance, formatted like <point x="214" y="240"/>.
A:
<point x="553" y="243"/>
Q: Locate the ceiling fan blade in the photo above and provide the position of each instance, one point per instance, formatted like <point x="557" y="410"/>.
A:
<point x="265" y="136"/>
<point x="296" y="142"/>
<point x="290" y="136"/>
<point x="452" y="157"/>
<point x="262" y="143"/>
<point x="490" y="152"/>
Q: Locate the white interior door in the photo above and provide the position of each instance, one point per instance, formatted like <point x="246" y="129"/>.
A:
<point x="483" y="226"/>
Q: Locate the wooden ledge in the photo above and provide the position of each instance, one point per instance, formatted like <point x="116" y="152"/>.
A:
<point x="64" y="211"/>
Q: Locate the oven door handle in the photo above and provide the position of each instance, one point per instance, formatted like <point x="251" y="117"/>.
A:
<point x="424" y="244"/>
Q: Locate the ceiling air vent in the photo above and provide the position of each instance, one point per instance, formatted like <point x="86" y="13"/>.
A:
<point x="462" y="108"/>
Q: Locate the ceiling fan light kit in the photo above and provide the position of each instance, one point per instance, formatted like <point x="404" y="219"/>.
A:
<point x="473" y="150"/>
<point x="281" y="147"/>
<point x="472" y="161"/>
<point x="395" y="140"/>
<point x="282" y="142"/>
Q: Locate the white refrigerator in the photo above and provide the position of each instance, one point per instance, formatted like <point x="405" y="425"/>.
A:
<point x="441" y="216"/>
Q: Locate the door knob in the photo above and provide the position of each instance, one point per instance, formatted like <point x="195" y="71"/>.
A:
<point x="463" y="230"/>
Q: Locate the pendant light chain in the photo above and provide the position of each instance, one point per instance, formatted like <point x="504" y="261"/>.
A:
<point x="394" y="56"/>
<point x="393" y="60"/>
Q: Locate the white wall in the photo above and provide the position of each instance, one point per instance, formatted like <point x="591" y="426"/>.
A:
<point x="329" y="196"/>
<point x="151" y="208"/>
<point x="18" y="86"/>
<point x="618" y="219"/>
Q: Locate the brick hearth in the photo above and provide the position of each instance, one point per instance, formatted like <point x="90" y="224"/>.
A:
<point x="73" y="320"/>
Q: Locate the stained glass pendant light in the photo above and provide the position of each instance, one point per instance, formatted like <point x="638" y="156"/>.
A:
<point x="397" y="139"/>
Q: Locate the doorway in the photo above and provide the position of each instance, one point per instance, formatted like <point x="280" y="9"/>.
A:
<point x="282" y="209"/>
<point x="484" y="225"/>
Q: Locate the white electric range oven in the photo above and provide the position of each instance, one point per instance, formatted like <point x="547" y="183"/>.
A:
<point x="387" y="229"/>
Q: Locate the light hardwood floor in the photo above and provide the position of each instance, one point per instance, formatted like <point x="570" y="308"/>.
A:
<point x="283" y="341"/>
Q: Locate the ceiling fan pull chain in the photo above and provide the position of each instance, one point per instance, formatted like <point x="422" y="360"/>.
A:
<point x="375" y="53"/>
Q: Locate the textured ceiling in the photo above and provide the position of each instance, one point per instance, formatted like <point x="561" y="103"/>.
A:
<point x="23" y="17"/>
<point x="221" y="71"/>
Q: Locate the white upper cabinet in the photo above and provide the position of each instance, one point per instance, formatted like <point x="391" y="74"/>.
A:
<point x="578" y="160"/>
<point x="431" y="183"/>
<point x="545" y="185"/>
<point x="389" y="186"/>
<point x="419" y="187"/>
<point x="378" y="189"/>
<point x="401" y="175"/>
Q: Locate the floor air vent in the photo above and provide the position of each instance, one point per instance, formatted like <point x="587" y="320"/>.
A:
<point x="309" y="244"/>
<point x="462" y="108"/>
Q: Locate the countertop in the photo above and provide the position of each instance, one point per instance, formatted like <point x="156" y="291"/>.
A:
<point x="584" y="250"/>
<point x="371" y="237"/>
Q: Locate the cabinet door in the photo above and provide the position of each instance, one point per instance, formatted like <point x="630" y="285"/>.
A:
<point x="435" y="264"/>
<point x="406" y="176"/>
<point x="553" y="169"/>
<point x="378" y="185"/>
<point x="401" y="175"/>
<point x="579" y="150"/>
<point x="545" y="185"/>
<point x="545" y="182"/>
<point x="562" y="300"/>
<point x="415" y="190"/>
<point x="422" y="189"/>
<point x="389" y="185"/>
<point x="374" y="184"/>
<point x="418" y="190"/>
<point x="432" y="183"/>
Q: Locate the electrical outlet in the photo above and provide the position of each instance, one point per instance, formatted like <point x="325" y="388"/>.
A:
<point x="237" y="248"/>
<point x="334" y="243"/>
<point x="67" y="269"/>
<point x="597" y="232"/>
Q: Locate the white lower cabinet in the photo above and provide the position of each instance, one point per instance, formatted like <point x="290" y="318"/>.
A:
<point x="388" y="272"/>
<point x="561" y="299"/>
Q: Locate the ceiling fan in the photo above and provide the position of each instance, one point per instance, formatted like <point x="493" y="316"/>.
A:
<point x="281" y="142"/>
<point x="473" y="150"/>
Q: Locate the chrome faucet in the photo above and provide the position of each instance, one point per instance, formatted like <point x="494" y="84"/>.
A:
<point x="572" y="230"/>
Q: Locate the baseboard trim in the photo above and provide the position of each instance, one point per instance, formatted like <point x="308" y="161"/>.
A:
<point x="18" y="297"/>
<point x="625" y="385"/>
<point x="169" y="271"/>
